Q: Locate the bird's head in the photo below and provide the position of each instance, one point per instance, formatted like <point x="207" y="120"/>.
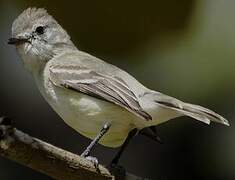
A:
<point x="38" y="37"/>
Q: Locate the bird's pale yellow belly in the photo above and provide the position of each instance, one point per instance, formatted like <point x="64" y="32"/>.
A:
<point x="87" y="115"/>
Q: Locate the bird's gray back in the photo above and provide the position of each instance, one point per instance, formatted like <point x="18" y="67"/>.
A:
<point x="82" y="59"/>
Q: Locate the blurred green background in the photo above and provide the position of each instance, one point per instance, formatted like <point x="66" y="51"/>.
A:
<point x="183" y="48"/>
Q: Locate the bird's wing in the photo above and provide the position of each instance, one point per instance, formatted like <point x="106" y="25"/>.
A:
<point x="97" y="84"/>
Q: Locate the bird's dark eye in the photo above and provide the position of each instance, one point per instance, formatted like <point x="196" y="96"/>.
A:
<point x="40" y="30"/>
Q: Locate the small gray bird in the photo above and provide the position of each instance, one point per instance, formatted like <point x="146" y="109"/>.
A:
<point x="97" y="99"/>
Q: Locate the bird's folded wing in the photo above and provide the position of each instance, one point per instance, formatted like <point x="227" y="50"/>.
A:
<point x="109" y="88"/>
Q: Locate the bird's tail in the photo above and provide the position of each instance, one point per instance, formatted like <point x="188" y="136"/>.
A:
<point x="197" y="112"/>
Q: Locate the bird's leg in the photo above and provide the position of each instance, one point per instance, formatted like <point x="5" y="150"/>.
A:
<point x="113" y="166"/>
<point x="87" y="151"/>
<point x="151" y="133"/>
<point x="123" y="147"/>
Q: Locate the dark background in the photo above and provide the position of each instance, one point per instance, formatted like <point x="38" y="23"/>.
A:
<point x="183" y="48"/>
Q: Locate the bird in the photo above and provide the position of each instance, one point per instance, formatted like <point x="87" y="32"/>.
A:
<point x="97" y="99"/>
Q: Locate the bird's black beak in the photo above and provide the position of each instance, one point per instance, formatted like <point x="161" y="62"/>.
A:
<point x="17" y="41"/>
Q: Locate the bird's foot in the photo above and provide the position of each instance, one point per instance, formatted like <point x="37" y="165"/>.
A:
<point x="94" y="161"/>
<point x="118" y="171"/>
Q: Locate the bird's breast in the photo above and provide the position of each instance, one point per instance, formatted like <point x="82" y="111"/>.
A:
<point x="87" y="114"/>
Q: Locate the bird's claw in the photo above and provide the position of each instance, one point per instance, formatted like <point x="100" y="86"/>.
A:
<point x="94" y="161"/>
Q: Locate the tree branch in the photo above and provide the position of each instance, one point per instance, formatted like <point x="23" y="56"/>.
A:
<point x="48" y="159"/>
